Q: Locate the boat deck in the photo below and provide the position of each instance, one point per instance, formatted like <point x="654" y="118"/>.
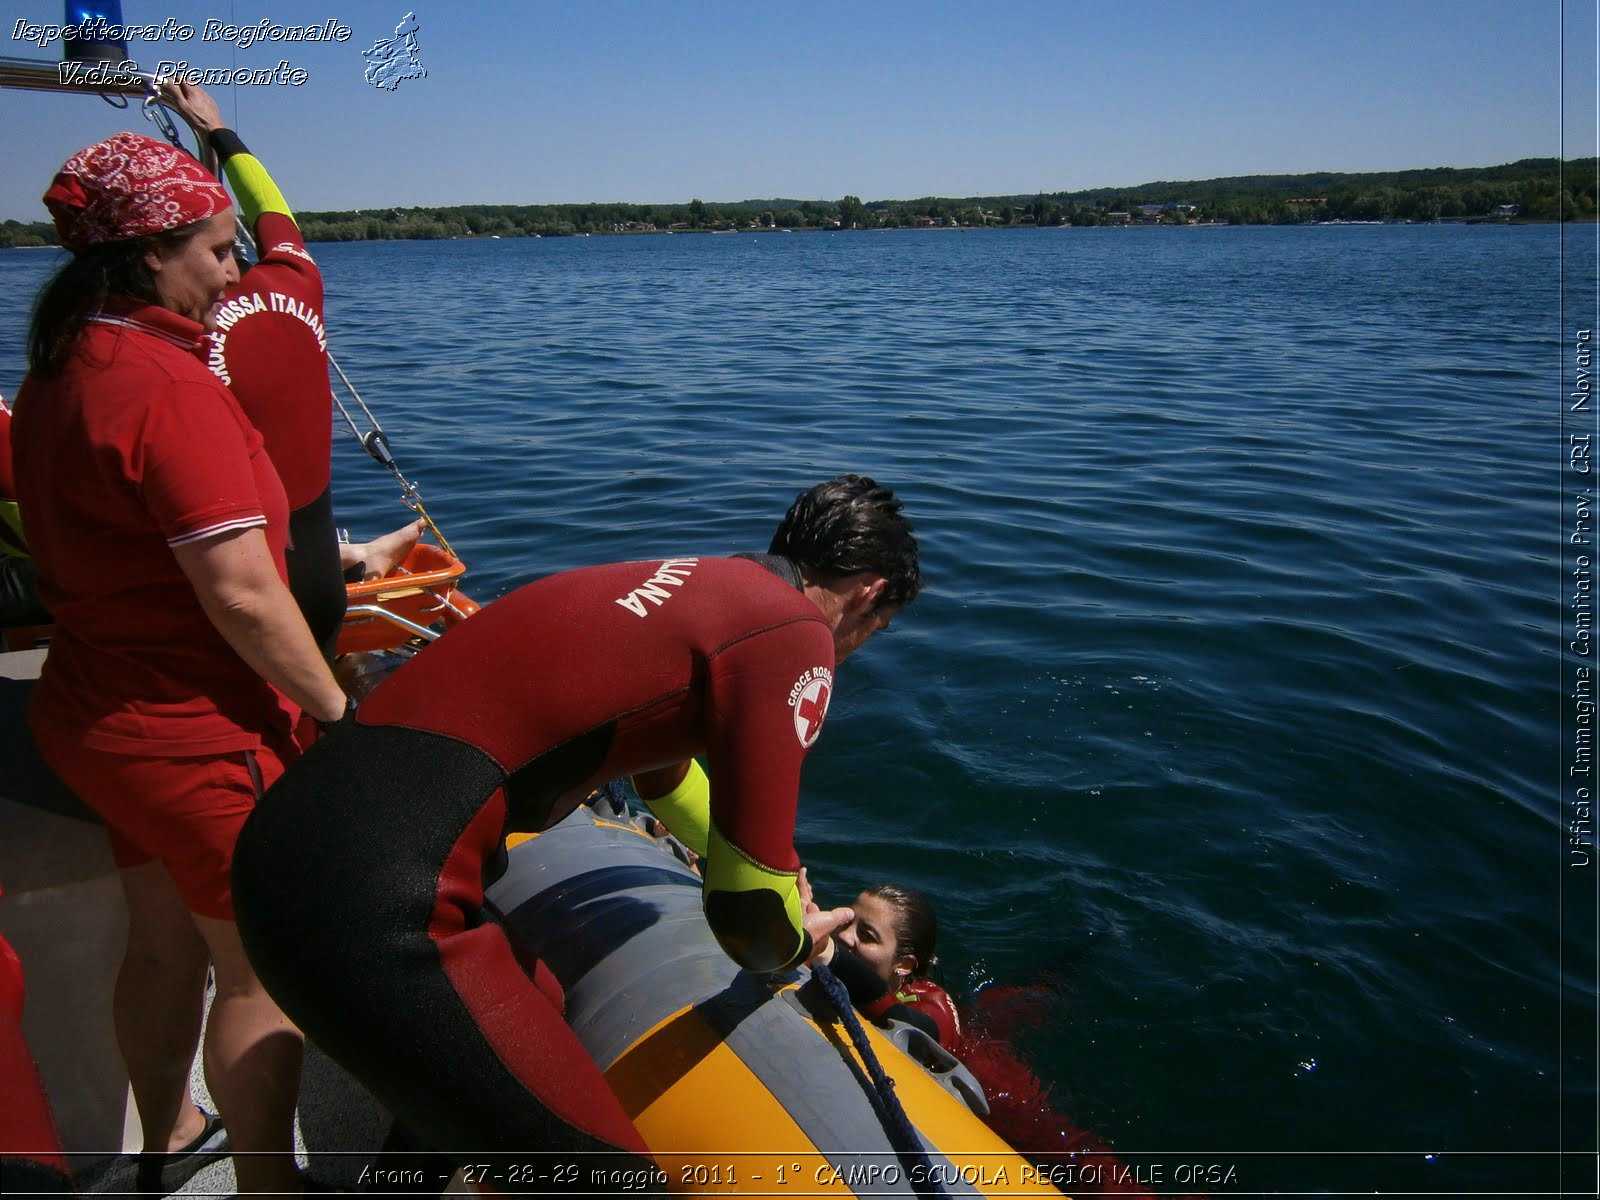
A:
<point x="62" y="911"/>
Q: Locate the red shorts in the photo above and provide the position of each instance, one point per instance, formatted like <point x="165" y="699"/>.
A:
<point x="186" y="812"/>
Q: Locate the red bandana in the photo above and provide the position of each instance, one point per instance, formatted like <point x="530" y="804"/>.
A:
<point x="127" y="186"/>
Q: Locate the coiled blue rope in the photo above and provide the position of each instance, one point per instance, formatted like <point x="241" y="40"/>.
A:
<point x="902" y="1135"/>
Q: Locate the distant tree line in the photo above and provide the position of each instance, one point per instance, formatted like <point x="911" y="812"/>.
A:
<point x="1536" y="188"/>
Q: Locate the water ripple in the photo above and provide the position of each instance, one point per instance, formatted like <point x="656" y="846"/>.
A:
<point x="1228" y="708"/>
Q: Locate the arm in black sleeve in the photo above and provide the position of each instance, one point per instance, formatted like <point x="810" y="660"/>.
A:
<point x="251" y="184"/>
<point x="872" y="995"/>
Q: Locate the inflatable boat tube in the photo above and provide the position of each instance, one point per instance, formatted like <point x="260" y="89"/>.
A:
<point x="737" y="1082"/>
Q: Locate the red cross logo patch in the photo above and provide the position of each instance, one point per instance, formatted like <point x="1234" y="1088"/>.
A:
<point x="809" y="701"/>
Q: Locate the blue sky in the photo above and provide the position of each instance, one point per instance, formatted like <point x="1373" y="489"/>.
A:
<point x="536" y="102"/>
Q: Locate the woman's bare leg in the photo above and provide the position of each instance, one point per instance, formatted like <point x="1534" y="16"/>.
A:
<point x="158" y="1005"/>
<point x="253" y="1055"/>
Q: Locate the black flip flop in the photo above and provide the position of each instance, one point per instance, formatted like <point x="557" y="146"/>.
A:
<point x="159" y="1174"/>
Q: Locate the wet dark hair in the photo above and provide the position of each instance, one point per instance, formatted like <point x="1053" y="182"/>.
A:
<point x="916" y="929"/>
<point x="82" y="285"/>
<point x="848" y="525"/>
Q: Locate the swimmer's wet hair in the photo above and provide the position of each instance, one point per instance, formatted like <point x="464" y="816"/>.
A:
<point x="916" y="929"/>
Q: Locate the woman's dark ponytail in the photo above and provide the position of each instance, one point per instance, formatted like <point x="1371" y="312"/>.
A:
<point x="82" y="285"/>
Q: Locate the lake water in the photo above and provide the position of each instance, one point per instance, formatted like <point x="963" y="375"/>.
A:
<point x="1232" y="716"/>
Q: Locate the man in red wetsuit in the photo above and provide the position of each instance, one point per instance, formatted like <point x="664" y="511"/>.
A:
<point x="270" y="348"/>
<point x="359" y="879"/>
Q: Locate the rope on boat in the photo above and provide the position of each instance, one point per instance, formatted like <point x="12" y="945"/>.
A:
<point x="375" y="442"/>
<point x="612" y="799"/>
<point x="891" y="1112"/>
<point x="902" y="1134"/>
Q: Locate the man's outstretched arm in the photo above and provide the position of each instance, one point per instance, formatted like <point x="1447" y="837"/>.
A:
<point x="252" y="186"/>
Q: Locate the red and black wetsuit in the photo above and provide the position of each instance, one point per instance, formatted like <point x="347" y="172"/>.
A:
<point x="271" y="349"/>
<point x="926" y="997"/>
<point x="359" y="879"/>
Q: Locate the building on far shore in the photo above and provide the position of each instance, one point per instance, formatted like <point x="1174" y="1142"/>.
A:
<point x="1151" y="213"/>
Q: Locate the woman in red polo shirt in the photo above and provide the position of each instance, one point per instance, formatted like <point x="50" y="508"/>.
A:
<point x="180" y="660"/>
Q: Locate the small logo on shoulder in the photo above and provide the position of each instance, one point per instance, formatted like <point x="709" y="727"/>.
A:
<point x="291" y="248"/>
<point x="808" y="703"/>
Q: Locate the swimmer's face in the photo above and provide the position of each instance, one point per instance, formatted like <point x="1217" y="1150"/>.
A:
<point x="191" y="275"/>
<point x="871" y="935"/>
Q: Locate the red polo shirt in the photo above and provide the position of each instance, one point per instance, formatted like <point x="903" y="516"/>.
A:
<point x="133" y="449"/>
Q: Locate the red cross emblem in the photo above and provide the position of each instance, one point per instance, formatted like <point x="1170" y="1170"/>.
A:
<point x="808" y="713"/>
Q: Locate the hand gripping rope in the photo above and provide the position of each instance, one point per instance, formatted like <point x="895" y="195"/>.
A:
<point x="374" y="441"/>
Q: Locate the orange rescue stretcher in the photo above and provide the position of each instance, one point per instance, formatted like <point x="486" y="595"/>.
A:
<point x="418" y="599"/>
<point x="411" y="601"/>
